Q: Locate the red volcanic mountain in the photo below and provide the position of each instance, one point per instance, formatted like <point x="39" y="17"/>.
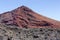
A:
<point x="24" y="17"/>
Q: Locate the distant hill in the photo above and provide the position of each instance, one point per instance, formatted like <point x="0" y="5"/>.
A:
<point x="24" y="17"/>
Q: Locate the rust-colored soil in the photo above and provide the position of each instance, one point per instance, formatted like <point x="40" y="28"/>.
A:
<point x="24" y="17"/>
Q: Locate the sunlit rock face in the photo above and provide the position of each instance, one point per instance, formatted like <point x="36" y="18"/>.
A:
<point x="24" y="17"/>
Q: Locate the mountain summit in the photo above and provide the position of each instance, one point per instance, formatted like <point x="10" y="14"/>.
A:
<point x="24" y="17"/>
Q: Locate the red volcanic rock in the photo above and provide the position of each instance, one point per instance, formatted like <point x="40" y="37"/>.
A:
<point x="24" y="17"/>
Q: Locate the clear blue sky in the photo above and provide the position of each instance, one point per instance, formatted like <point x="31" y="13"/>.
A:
<point x="49" y="8"/>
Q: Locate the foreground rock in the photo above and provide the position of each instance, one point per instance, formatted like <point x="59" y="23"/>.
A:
<point x="7" y="33"/>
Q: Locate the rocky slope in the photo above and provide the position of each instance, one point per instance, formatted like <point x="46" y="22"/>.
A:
<point x="24" y="24"/>
<point x="8" y="33"/>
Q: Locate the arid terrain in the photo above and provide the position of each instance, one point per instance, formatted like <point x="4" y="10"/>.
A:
<point x="23" y="23"/>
